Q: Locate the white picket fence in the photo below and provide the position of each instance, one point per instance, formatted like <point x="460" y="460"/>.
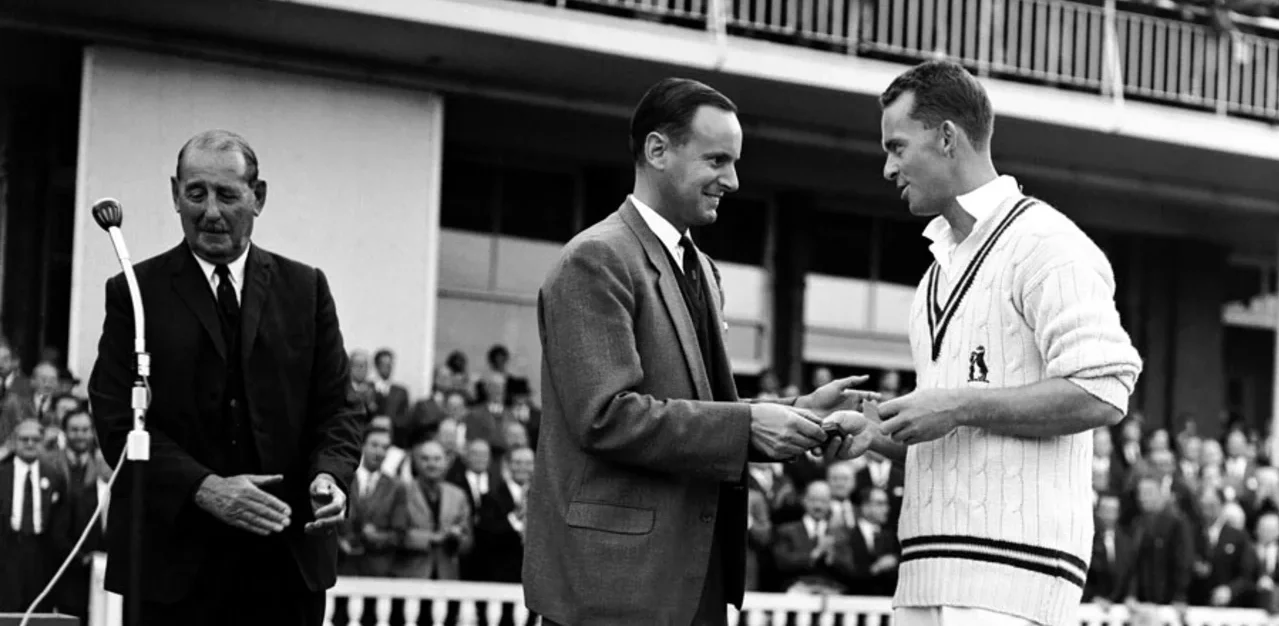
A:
<point x="759" y="609"/>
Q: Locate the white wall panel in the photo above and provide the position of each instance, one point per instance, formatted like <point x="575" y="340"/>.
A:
<point x="354" y="183"/>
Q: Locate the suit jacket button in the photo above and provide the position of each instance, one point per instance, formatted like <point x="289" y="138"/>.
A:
<point x="707" y="517"/>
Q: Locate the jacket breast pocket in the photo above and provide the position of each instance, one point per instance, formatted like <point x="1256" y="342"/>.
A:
<point x="623" y="520"/>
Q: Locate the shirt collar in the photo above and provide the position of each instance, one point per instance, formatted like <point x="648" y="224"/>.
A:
<point x="665" y="231"/>
<point x="981" y="203"/>
<point x="236" y="267"/>
<point x="19" y="464"/>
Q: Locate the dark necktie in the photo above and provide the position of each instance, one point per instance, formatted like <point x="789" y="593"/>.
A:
<point x="28" y="524"/>
<point x="228" y="305"/>
<point x="692" y="265"/>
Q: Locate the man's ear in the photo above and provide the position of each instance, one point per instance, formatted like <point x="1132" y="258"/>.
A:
<point x="948" y="138"/>
<point x="259" y="196"/>
<point x="173" y="189"/>
<point x="656" y="148"/>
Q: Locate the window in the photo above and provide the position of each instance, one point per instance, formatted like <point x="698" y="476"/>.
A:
<point x="537" y="204"/>
<point x="605" y="189"/>
<point x="903" y="251"/>
<point x="839" y="244"/>
<point x="738" y="234"/>
<point x="467" y="198"/>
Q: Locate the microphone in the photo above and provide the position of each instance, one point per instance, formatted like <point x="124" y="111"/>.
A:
<point x="108" y="213"/>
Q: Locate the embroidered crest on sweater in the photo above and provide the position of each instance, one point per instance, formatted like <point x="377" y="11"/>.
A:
<point x="977" y="365"/>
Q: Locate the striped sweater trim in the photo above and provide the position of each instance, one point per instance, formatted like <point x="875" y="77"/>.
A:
<point x="939" y="316"/>
<point x="1039" y="559"/>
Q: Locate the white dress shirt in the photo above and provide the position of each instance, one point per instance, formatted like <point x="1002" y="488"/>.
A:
<point x="479" y="484"/>
<point x="236" y="268"/>
<point x="23" y="471"/>
<point x="869" y="532"/>
<point x="816" y="528"/>
<point x="981" y="203"/>
<point x="664" y="230"/>
<point x="366" y="479"/>
<point x="104" y="501"/>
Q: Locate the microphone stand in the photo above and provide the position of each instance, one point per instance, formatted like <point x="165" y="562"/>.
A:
<point x="109" y="215"/>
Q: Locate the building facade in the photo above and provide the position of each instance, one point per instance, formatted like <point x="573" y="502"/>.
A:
<point x="433" y="155"/>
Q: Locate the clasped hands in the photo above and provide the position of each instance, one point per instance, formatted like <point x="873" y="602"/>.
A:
<point x="241" y="502"/>
<point x="843" y="422"/>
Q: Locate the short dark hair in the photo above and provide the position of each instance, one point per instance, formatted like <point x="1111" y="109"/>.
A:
<point x="945" y="90"/>
<point x="80" y="409"/>
<point x="862" y="494"/>
<point x="377" y="356"/>
<point x="496" y="351"/>
<point x="223" y="141"/>
<point x="668" y="107"/>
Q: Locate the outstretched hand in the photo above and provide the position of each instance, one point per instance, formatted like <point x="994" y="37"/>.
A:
<point x="922" y="415"/>
<point x="837" y="395"/>
<point x="783" y="432"/>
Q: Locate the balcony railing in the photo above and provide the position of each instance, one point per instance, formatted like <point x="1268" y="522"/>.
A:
<point x="1094" y="47"/>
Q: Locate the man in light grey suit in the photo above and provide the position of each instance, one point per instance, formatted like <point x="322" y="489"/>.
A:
<point x="637" y="510"/>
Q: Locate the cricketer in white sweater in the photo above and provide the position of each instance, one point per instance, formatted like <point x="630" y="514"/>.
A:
<point x="996" y="522"/>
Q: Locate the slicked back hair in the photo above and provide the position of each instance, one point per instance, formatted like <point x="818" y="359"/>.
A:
<point x="944" y="90"/>
<point x="223" y="141"/>
<point x="668" y="107"/>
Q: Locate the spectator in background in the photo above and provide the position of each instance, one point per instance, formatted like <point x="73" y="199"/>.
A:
<point x="522" y="409"/>
<point x="44" y="388"/>
<point x="1163" y="466"/>
<point x="499" y="527"/>
<point x="1226" y="568"/>
<point x="1238" y="464"/>
<point x="390" y="397"/>
<point x="361" y="390"/>
<point x="1111" y="552"/>
<point x="33" y="520"/>
<point x="881" y="472"/>
<point x="841" y="480"/>
<point x="437" y="523"/>
<point x="769" y="386"/>
<point x="1130" y="454"/>
<point x="890" y="385"/>
<point x="873" y="545"/>
<point x="454" y="377"/>
<point x="1107" y="472"/>
<point x="373" y="533"/>
<point x="821" y="376"/>
<point x="482" y="421"/>
<point x="395" y="460"/>
<point x="1164" y="551"/>
<point x="87" y="478"/>
<point x="1265" y="596"/>
<point x="497" y="376"/>
<point x="1191" y="451"/>
<point x="813" y="555"/>
<point x="1264" y="498"/>
<point x="759" y="541"/>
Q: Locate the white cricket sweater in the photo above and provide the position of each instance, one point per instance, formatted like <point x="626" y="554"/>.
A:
<point x="1005" y="523"/>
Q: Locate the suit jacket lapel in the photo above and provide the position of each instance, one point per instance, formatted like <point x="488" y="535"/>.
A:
<point x="192" y="286"/>
<point x="6" y="491"/>
<point x="668" y="288"/>
<point x="258" y="273"/>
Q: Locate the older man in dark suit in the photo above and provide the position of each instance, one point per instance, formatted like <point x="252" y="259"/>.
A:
<point x="33" y="520"/>
<point x="638" y="507"/>
<point x="253" y="440"/>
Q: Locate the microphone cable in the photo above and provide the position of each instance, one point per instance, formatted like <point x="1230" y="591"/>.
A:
<point x="84" y="536"/>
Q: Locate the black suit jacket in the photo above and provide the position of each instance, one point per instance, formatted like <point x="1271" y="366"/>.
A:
<point x="296" y="379"/>
<point x="1163" y="556"/>
<point x="1232" y="562"/>
<point x="394" y="403"/>
<point x="497" y="544"/>
<point x="863" y="582"/>
<point x="1104" y="574"/>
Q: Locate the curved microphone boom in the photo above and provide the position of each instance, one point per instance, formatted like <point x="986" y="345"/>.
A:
<point x="108" y="213"/>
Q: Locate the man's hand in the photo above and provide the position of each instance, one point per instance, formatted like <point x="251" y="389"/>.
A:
<point x="922" y="415"/>
<point x="884" y="564"/>
<point x="783" y="432"/>
<point x="1266" y="583"/>
<point x="1221" y="596"/>
<point x="240" y="502"/>
<point x="328" y="503"/>
<point x="856" y="434"/>
<point x="836" y="395"/>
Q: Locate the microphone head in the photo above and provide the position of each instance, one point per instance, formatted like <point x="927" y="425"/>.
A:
<point x="107" y="212"/>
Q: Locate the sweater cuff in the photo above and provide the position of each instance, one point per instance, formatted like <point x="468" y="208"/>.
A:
<point x="1108" y="389"/>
